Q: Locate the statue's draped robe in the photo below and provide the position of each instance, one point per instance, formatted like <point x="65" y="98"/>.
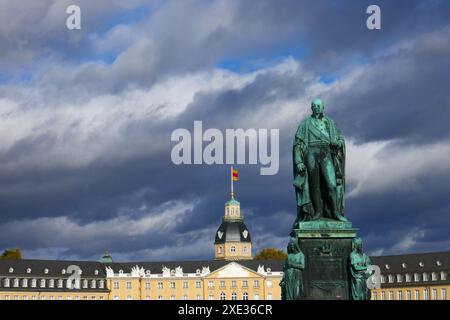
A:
<point x="359" y="263"/>
<point x="300" y="149"/>
<point x="293" y="276"/>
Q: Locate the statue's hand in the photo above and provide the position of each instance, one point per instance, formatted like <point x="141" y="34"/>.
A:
<point x="301" y="168"/>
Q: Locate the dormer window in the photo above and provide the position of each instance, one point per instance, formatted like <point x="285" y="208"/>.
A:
<point x="147" y="272"/>
<point x="28" y="270"/>
<point x="197" y="272"/>
<point x="120" y="271"/>
<point x="11" y="270"/>
<point x="404" y="265"/>
<point x="388" y="266"/>
<point x="421" y="264"/>
<point x="439" y="263"/>
<point x="46" y="271"/>
<point x="96" y="272"/>
<point x="63" y="271"/>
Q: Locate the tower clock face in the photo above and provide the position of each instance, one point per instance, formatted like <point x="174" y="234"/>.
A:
<point x="245" y="233"/>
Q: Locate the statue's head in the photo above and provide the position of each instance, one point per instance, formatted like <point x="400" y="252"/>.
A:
<point x="357" y="244"/>
<point x="317" y="106"/>
<point x="293" y="246"/>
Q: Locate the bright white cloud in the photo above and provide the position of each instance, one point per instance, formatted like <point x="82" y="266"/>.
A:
<point x="389" y="165"/>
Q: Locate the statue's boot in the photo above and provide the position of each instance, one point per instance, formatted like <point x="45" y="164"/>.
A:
<point x="340" y="217"/>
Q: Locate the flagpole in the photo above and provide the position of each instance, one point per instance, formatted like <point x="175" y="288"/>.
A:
<point x="232" y="191"/>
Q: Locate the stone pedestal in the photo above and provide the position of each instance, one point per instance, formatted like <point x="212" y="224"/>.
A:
<point x="327" y="245"/>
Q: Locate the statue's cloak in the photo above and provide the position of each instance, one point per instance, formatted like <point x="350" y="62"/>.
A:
<point x="300" y="149"/>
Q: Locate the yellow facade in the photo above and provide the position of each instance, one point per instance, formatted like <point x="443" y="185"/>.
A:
<point x="432" y="292"/>
<point x="52" y="295"/>
<point x="230" y="282"/>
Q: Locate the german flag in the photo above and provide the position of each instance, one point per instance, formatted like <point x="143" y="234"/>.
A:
<point x="235" y="175"/>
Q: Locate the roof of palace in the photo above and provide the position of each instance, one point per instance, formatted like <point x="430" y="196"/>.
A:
<point x="194" y="266"/>
<point x="415" y="263"/>
<point x="92" y="269"/>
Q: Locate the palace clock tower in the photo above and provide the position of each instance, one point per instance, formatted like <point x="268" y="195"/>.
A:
<point x="232" y="241"/>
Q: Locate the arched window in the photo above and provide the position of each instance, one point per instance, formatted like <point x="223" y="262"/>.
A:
<point x="16" y="283"/>
<point x="245" y="296"/>
<point x="234" y="296"/>
<point x="223" y="296"/>
<point x="219" y="249"/>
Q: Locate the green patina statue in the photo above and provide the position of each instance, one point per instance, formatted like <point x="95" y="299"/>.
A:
<point x="292" y="282"/>
<point x="319" y="167"/>
<point x="359" y="270"/>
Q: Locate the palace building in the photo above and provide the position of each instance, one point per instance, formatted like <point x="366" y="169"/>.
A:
<point x="421" y="276"/>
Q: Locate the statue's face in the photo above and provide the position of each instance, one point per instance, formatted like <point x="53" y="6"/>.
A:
<point x="317" y="106"/>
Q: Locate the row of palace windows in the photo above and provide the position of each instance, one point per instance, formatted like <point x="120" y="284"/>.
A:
<point x="407" y="295"/>
<point x="160" y="285"/>
<point x="198" y="284"/>
<point x="222" y="284"/>
<point x="222" y="296"/>
<point x="46" y="271"/>
<point x="52" y="283"/>
<point x="232" y="249"/>
<point x="416" y="277"/>
<point x="50" y="297"/>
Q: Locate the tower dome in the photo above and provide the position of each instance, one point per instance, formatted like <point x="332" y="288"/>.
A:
<point x="232" y="239"/>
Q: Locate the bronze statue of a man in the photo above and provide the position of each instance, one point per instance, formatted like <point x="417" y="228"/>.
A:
<point x="319" y="167"/>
